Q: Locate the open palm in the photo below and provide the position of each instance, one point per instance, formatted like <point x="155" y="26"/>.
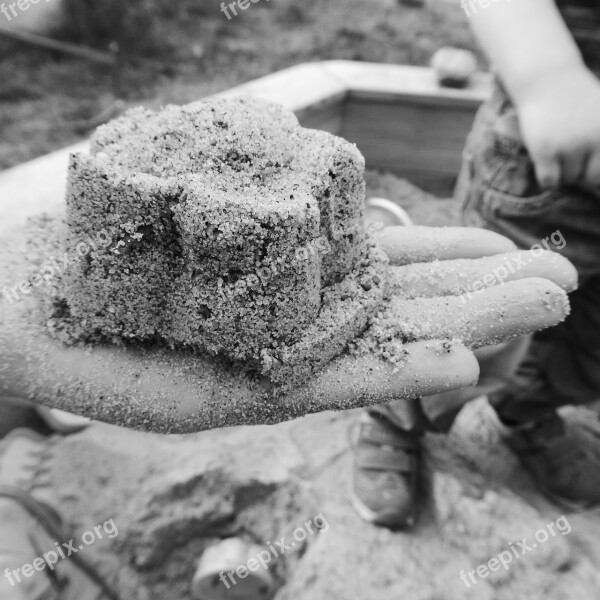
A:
<point x="447" y="300"/>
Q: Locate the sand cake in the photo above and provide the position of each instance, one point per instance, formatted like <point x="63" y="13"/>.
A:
<point x="230" y="229"/>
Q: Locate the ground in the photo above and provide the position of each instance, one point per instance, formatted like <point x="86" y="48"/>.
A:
<point x="171" y="497"/>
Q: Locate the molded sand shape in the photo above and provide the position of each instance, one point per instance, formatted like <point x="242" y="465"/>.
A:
<point x="230" y="229"/>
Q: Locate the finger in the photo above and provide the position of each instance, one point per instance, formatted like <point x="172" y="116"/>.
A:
<point x="547" y="170"/>
<point x="483" y="318"/>
<point x="349" y="382"/>
<point x="592" y="173"/>
<point x="406" y="245"/>
<point x="461" y="276"/>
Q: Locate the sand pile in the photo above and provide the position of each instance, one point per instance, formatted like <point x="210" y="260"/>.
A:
<point x="232" y="230"/>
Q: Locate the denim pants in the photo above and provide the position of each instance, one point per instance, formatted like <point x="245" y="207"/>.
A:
<point x="554" y="367"/>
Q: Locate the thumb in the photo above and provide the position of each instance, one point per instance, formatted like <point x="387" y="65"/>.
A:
<point x="547" y="169"/>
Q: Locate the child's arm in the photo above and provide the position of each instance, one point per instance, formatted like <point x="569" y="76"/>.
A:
<point x="556" y="96"/>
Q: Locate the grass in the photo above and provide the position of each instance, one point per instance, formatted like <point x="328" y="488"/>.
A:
<point x="182" y="51"/>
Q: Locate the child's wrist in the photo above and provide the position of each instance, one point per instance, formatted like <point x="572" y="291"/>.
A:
<point x="537" y="86"/>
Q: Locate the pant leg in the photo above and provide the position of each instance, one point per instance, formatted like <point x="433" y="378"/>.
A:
<point x="406" y="414"/>
<point x="498" y="365"/>
<point x="563" y="365"/>
<point x="499" y="192"/>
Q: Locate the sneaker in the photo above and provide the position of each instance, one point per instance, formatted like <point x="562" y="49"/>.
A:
<point x="385" y="475"/>
<point x="31" y="527"/>
<point x="562" y="455"/>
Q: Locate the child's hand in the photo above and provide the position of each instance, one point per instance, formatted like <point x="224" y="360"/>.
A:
<point x="560" y="124"/>
<point x="556" y="96"/>
<point x="444" y="284"/>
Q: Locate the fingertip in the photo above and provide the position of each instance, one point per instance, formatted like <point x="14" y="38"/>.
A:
<point x="564" y="274"/>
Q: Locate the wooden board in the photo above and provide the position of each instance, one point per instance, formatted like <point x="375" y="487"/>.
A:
<point x="413" y="140"/>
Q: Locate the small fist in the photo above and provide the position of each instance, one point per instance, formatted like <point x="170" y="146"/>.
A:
<point x="560" y="125"/>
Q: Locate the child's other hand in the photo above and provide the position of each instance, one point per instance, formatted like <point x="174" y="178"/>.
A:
<point x="560" y="125"/>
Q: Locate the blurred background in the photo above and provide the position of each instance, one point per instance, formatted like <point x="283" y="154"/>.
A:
<point x="175" y="52"/>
